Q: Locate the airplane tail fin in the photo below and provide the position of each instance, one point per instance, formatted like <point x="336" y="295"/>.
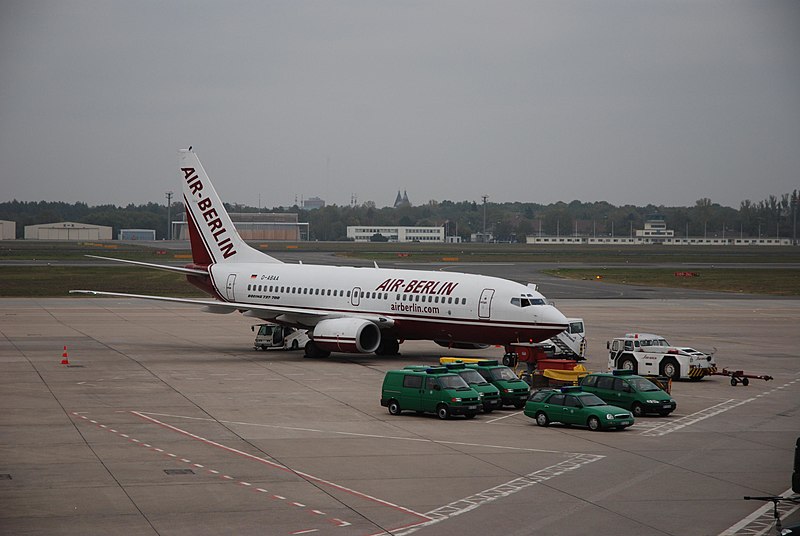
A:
<point x="213" y="237"/>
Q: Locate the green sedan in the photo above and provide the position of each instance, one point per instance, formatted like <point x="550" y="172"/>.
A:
<point x="570" y="405"/>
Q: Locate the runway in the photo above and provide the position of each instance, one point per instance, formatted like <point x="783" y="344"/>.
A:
<point x="167" y="422"/>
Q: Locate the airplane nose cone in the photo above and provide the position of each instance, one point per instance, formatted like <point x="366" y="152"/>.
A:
<point x="551" y="315"/>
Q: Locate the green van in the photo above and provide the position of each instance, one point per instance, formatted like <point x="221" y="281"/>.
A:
<point x="624" y="389"/>
<point x="490" y="395"/>
<point x="433" y="390"/>
<point x="513" y="391"/>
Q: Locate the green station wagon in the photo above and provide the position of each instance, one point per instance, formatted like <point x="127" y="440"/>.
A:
<point x="571" y="405"/>
<point x="625" y="389"/>
<point x="433" y="390"/>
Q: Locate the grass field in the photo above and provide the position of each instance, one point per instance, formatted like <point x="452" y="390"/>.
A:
<point x="58" y="280"/>
<point x="768" y="281"/>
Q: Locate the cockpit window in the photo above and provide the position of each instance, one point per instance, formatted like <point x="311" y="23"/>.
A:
<point x="526" y="300"/>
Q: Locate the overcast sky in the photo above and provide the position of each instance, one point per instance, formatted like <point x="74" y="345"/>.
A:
<point x="638" y="101"/>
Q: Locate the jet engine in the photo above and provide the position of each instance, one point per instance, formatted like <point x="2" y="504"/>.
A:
<point x="346" y="335"/>
<point x="462" y="345"/>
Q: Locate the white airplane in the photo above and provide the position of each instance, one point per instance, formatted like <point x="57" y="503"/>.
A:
<point x="346" y="309"/>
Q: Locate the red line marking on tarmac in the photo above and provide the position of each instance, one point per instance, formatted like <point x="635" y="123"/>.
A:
<point x="284" y="468"/>
<point x="336" y="521"/>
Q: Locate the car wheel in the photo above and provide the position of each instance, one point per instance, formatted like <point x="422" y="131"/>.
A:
<point x="542" y="419"/>
<point x="671" y="369"/>
<point x="394" y="407"/>
<point x="664" y="413"/>
<point x="520" y="404"/>
<point x="593" y="423"/>
<point x="442" y="411"/>
<point x="487" y="409"/>
<point x="629" y="363"/>
<point x="637" y="409"/>
<point x="470" y="415"/>
<point x="264" y="347"/>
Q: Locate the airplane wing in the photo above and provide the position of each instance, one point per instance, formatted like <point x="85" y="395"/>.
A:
<point x="288" y="315"/>
<point x="179" y="269"/>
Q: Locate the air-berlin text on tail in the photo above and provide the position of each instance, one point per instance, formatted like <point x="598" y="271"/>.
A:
<point x="416" y="286"/>
<point x="210" y="215"/>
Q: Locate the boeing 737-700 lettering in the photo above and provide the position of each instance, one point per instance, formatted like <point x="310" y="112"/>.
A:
<point x="346" y="309"/>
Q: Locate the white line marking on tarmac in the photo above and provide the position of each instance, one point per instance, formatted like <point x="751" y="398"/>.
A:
<point x="335" y="521"/>
<point x="504" y="417"/>
<point x="722" y="407"/>
<point x="281" y="466"/>
<point x="760" y="522"/>
<point x="575" y="461"/>
<point x="144" y="414"/>
<point x="472" y="502"/>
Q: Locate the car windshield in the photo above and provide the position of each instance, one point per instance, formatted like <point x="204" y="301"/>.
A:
<point x="502" y="373"/>
<point x="643" y="385"/>
<point x="472" y="376"/>
<point x="590" y="400"/>
<point x="653" y="342"/>
<point x="453" y="382"/>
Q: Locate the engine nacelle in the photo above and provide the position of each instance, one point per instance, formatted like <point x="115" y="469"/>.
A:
<point x="347" y="335"/>
<point x="462" y="345"/>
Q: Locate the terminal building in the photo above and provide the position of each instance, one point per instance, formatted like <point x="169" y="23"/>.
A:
<point x="257" y="226"/>
<point x="365" y="233"/>
<point x="655" y="232"/>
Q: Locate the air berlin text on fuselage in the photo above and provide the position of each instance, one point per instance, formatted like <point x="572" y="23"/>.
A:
<point x="418" y="286"/>
<point x="210" y="215"/>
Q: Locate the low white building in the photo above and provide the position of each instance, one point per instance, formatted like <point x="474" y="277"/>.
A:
<point x="364" y="233"/>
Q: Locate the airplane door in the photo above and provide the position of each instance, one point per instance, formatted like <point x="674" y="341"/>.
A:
<point x="485" y="303"/>
<point x="229" y="287"/>
<point x="355" y="297"/>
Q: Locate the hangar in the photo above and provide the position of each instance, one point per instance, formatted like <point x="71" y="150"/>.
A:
<point x="8" y="230"/>
<point x="256" y="226"/>
<point x="67" y="230"/>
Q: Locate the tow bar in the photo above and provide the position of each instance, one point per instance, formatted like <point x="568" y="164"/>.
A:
<point x="738" y="376"/>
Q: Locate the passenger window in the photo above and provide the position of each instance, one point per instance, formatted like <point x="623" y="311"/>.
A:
<point x="348" y="293"/>
<point x="572" y="401"/>
<point x="589" y="381"/>
<point x="620" y="385"/>
<point x="556" y="400"/>
<point x="414" y="382"/>
<point x="431" y="383"/>
<point x="605" y="382"/>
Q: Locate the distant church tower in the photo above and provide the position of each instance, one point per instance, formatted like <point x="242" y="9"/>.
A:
<point x="401" y="201"/>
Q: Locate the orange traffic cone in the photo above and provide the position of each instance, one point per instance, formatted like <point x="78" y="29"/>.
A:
<point x="65" y="357"/>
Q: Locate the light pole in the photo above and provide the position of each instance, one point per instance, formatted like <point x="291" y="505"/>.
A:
<point x="169" y="215"/>
<point x="485" y="197"/>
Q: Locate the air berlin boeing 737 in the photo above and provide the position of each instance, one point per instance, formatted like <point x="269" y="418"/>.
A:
<point x="347" y="309"/>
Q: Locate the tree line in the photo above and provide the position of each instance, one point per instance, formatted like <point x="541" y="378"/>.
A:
<point x="505" y="222"/>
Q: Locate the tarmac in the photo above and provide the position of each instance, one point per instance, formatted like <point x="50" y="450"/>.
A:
<point x="166" y="421"/>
